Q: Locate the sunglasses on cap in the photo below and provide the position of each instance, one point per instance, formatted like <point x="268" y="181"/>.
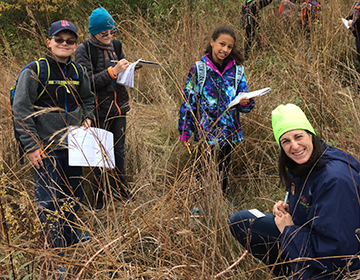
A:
<point x="60" y="40"/>
<point x="105" y="34"/>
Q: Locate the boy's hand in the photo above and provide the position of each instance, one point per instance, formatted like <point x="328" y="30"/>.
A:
<point x="35" y="158"/>
<point x="86" y="123"/>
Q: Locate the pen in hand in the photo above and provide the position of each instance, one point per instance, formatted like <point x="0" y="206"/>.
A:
<point x="46" y="147"/>
<point x="286" y="197"/>
<point x="187" y="146"/>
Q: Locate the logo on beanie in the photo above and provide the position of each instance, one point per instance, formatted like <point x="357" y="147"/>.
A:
<point x="65" y="23"/>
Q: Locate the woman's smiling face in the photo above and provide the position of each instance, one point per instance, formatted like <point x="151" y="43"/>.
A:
<point x="106" y="36"/>
<point x="297" y="145"/>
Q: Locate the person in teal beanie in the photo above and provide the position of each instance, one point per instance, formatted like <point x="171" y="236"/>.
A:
<point x="100" y="20"/>
<point x="104" y="60"/>
<point x="312" y="233"/>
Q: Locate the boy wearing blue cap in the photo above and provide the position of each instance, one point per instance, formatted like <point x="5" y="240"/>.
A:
<point x="42" y="114"/>
<point x="104" y="59"/>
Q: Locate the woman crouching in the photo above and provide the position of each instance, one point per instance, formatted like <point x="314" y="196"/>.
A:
<point x="312" y="235"/>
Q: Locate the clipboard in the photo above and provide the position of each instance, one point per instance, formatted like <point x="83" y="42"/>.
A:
<point x="148" y="64"/>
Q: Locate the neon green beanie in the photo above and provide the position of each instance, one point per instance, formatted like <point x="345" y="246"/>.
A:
<point x="289" y="117"/>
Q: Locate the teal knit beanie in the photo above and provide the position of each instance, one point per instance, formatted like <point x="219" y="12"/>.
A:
<point x="100" y="20"/>
<point x="289" y="117"/>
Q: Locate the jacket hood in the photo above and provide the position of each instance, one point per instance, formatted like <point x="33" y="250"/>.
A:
<point x="208" y="62"/>
<point x="333" y="153"/>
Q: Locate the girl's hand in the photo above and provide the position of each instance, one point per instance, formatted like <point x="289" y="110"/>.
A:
<point x="120" y="66"/>
<point x="86" y="123"/>
<point x="187" y="145"/>
<point x="281" y="208"/>
<point x="35" y="158"/>
<point x="244" y="101"/>
<point x="283" y="221"/>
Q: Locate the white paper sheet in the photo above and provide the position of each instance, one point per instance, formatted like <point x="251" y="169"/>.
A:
<point x="91" y="147"/>
<point x="257" y="213"/>
<point x="345" y="22"/>
<point x="126" y="78"/>
<point x="249" y="95"/>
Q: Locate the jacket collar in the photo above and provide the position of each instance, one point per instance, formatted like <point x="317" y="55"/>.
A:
<point x="209" y="63"/>
<point x="52" y="60"/>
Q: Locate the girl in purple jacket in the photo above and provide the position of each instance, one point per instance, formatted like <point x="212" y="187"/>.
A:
<point x="212" y="83"/>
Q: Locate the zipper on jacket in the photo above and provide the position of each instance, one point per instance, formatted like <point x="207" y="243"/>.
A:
<point x="66" y="97"/>
<point x="115" y="102"/>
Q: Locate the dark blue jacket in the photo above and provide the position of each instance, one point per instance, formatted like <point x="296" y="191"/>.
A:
<point x="325" y="210"/>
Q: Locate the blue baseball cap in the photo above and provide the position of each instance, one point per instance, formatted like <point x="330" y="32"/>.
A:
<point x="61" y="25"/>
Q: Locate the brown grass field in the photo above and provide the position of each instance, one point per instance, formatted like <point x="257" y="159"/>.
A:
<point x="153" y="236"/>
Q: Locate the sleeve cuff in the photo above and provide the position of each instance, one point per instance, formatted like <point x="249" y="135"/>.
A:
<point x="184" y="137"/>
<point x="247" y="105"/>
<point x="111" y="73"/>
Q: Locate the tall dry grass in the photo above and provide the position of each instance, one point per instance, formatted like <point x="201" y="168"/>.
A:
<point x="154" y="236"/>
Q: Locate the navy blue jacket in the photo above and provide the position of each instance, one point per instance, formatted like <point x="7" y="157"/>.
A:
<point x="326" y="212"/>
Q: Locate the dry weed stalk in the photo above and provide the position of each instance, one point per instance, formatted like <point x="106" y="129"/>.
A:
<point x="233" y="265"/>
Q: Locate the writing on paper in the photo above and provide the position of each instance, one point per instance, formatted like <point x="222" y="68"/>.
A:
<point x="91" y="147"/>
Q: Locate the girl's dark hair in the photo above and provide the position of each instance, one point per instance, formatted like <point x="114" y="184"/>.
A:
<point x="286" y="164"/>
<point x="235" y="53"/>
